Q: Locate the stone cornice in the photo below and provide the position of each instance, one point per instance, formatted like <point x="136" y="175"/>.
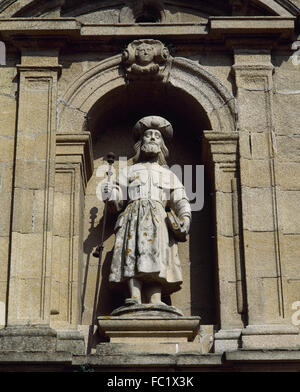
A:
<point x="216" y="27"/>
<point x="223" y="148"/>
<point x="249" y="25"/>
<point x="76" y="148"/>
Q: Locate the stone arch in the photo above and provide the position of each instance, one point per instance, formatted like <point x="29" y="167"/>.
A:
<point x="185" y="76"/>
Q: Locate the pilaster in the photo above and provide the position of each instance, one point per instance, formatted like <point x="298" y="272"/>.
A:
<point x="266" y="282"/>
<point x="32" y="222"/>
<point x="221" y="150"/>
<point x="74" y="166"/>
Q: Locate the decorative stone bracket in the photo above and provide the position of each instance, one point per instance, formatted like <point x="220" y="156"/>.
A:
<point x="146" y="60"/>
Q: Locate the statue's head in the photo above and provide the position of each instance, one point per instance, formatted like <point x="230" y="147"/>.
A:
<point x="150" y="133"/>
<point x="145" y="54"/>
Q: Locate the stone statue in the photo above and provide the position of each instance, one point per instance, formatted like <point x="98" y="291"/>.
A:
<point x="145" y="254"/>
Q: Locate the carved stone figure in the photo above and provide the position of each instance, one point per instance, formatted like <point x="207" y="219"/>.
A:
<point x="145" y="60"/>
<point x="145" y="255"/>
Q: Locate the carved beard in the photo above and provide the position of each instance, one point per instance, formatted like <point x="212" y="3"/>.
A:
<point x="151" y="149"/>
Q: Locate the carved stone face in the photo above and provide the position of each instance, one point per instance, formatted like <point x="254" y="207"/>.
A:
<point x="151" y="141"/>
<point x="145" y="54"/>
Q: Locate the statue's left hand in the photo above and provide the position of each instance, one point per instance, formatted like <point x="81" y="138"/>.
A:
<point x="185" y="224"/>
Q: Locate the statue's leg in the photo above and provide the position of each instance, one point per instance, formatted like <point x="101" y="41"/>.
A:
<point x="135" y="289"/>
<point x="153" y="294"/>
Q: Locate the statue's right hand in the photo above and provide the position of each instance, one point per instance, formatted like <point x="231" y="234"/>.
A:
<point x="106" y="189"/>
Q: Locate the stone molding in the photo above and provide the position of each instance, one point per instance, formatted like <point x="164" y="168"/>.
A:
<point x="76" y="149"/>
<point x="211" y="95"/>
<point x="63" y="29"/>
<point x="151" y="329"/>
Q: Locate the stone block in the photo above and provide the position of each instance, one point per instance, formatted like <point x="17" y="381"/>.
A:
<point x="63" y="180"/>
<point x="252" y="110"/>
<point x="287" y="175"/>
<point x="286" y="77"/>
<point x="271" y="294"/>
<point x="245" y="144"/>
<point x="226" y="258"/>
<point x="148" y="329"/>
<point x="285" y="113"/>
<point x="8" y="116"/>
<point x="270" y="336"/>
<point x="290" y="254"/>
<point x="260" y="253"/>
<point x="255" y="299"/>
<point x="2" y="312"/>
<point x="39" y="224"/>
<point x="77" y="119"/>
<point x="227" y="340"/>
<point x="150" y="348"/>
<point x="258" y="342"/>
<point x="41" y="146"/>
<point x="23" y="221"/>
<point x="62" y="214"/>
<point x="287" y="147"/>
<point x="48" y="58"/>
<point x="25" y="307"/>
<point x="248" y="57"/>
<point x="34" y="104"/>
<point x="265" y="355"/>
<point x="255" y="173"/>
<point x="6" y="178"/>
<point x="260" y="145"/>
<point x="27" y="339"/>
<point x="224" y="219"/>
<point x="7" y="145"/>
<point x="288" y="211"/>
<point x="5" y="208"/>
<point x="70" y="341"/>
<point x="4" y="252"/>
<point x="28" y="254"/>
<point x="293" y="297"/>
<point x="26" y="146"/>
<point x="257" y="209"/>
<point x="229" y="316"/>
<point x="30" y="174"/>
<point x="223" y="180"/>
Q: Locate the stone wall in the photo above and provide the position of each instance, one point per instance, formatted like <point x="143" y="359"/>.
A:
<point x="233" y="100"/>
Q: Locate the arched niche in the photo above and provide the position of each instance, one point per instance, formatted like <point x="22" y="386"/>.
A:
<point x="100" y="103"/>
<point x="110" y="122"/>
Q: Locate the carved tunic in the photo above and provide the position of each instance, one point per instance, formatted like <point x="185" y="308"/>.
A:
<point x="144" y="248"/>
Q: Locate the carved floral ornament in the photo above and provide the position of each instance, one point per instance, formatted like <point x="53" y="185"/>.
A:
<point x="146" y="59"/>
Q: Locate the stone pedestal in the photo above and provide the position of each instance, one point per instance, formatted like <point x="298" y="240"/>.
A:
<point x="148" y="328"/>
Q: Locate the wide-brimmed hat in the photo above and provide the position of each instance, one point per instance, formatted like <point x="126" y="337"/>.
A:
<point x="153" y="122"/>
